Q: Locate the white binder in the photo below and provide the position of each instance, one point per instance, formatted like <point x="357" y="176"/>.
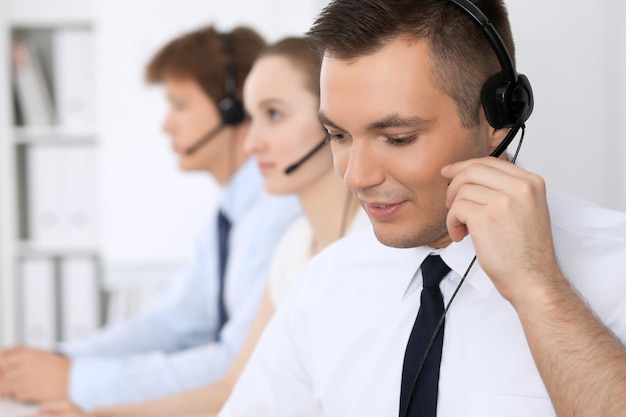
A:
<point x="80" y="295"/>
<point x="39" y="324"/>
<point x="61" y="195"/>
<point x="73" y="77"/>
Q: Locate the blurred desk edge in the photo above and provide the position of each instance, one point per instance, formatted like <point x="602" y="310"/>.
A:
<point x="13" y="409"/>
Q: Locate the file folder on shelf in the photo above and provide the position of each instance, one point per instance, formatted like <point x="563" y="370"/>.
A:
<point x="38" y="302"/>
<point x="32" y="91"/>
<point x="80" y="295"/>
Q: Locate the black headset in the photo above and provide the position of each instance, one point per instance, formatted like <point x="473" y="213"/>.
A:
<point x="506" y="97"/>
<point x="230" y="107"/>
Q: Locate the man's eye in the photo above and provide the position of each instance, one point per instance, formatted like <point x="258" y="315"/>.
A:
<point x="400" y="141"/>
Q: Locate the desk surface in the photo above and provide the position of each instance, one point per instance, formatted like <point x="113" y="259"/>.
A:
<point x="13" y="409"/>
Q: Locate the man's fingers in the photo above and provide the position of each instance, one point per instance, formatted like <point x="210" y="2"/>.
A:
<point x="14" y="362"/>
<point x="17" y="385"/>
<point x="485" y="176"/>
<point x="14" y="373"/>
<point x="22" y="391"/>
<point x="458" y="218"/>
<point x="471" y="192"/>
<point x="452" y="170"/>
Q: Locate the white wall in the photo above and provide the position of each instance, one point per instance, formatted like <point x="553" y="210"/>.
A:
<point x="571" y="52"/>
<point x="617" y="12"/>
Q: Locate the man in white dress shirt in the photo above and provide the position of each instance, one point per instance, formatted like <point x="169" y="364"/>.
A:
<point x="401" y="98"/>
<point x="191" y="335"/>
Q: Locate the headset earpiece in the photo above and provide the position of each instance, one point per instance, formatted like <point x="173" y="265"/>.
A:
<point x="505" y="102"/>
<point x="493" y="98"/>
<point x="231" y="111"/>
<point x="523" y="99"/>
<point x="506" y="97"/>
<point x="230" y="107"/>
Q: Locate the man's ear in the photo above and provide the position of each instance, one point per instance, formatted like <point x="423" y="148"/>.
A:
<point x="496" y="136"/>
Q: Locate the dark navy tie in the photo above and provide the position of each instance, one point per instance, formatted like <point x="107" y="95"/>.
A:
<point x="423" y="401"/>
<point x="223" y="229"/>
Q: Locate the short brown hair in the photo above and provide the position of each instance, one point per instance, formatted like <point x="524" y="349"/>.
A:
<point x="462" y="57"/>
<point x="301" y="53"/>
<point x="200" y="56"/>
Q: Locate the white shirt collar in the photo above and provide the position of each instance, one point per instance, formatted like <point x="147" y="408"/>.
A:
<point x="241" y="191"/>
<point x="458" y="256"/>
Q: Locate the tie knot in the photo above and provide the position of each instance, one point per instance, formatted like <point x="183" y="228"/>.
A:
<point x="433" y="271"/>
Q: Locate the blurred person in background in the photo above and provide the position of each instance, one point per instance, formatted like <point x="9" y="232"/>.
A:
<point x="190" y="336"/>
<point x="282" y="99"/>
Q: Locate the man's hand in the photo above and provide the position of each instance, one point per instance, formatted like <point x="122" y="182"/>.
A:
<point x="32" y="375"/>
<point x="504" y="209"/>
